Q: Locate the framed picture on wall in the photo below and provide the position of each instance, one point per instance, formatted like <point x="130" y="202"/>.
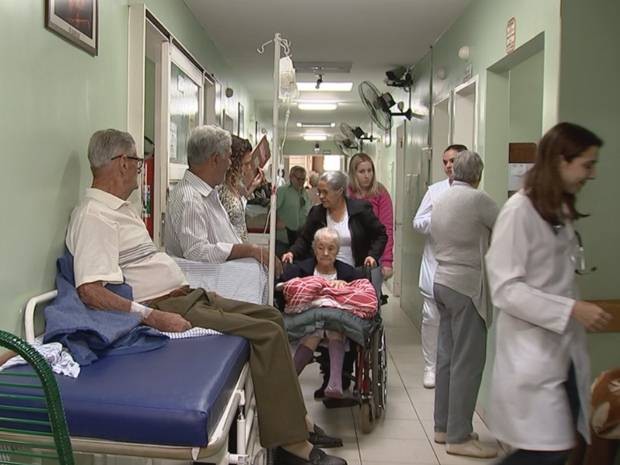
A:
<point x="75" y="21"/>
<point x="240" y="120"/>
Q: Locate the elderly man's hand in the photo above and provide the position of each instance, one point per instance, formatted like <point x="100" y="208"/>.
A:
<point x="169" y="322"/>
<point x="337" y="283"/>
<point x="370" y="262"/>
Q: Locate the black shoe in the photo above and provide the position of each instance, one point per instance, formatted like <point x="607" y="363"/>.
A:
<point x="317" y="457"/>
<point x="319" y="438"/>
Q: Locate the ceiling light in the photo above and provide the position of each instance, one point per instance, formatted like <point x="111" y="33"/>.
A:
<point x="325" y="86"/>
<point x="315" y="137"/>
<point x="325" y="106"/>
<point x="316" y="125"/>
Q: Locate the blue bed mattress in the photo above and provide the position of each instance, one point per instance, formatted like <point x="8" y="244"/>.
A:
<point x="170" y="396"/>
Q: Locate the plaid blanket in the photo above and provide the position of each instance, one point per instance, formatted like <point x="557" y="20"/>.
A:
<point x="357" y="297"/>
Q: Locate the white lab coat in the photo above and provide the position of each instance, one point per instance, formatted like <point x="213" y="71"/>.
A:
<point x="422" y="225"/>
<point x="532" y="281"/>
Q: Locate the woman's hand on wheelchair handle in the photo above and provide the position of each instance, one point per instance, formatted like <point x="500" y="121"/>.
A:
<point x="370" y="262"/>
<point x="287" y="257"/>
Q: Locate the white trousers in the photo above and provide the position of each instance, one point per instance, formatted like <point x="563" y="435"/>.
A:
<point x="430" y="332"/>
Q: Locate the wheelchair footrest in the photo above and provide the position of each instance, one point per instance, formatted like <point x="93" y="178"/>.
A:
<point x="340" y="403"/>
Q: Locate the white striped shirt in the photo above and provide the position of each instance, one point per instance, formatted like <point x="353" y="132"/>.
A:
<point x="197" y="225"/>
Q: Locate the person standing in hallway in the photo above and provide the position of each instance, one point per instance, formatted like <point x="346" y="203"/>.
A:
<point x="293" y="203"/>
<point x="540" y="386"/>
<point x="461" y="226"/>
<point x="422" y="225"/>
<point x="363" y="185"/>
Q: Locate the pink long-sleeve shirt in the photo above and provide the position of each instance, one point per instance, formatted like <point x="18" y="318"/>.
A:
<point x="382" y="208"/>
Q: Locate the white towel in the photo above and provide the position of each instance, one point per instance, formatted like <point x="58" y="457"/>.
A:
<point x="59" y="359"/>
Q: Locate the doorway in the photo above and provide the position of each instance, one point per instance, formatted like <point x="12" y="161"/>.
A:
<point x="514" y="112"/>
<point x="440" y="137"/>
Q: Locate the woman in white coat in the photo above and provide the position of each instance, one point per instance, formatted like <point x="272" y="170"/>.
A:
<point x="541" y="377"/>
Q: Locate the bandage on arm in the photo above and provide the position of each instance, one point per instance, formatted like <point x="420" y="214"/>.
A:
<point x="140" y="309"/>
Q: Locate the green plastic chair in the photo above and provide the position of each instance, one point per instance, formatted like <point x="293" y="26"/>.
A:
<point x="33" y="428"/>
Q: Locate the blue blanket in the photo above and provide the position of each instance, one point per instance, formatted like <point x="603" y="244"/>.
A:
<point x="91" y="334"/>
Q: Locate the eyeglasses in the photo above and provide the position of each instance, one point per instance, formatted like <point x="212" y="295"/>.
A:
<point x="138" y="160"/>
<point x="579" y="257"/>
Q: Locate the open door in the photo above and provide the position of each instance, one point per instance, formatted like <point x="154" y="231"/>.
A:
<point x="441" y="124"/>
<point x="465" y="121"/>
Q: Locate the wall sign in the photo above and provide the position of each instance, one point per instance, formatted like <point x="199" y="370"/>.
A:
<point x="511" y="35"/>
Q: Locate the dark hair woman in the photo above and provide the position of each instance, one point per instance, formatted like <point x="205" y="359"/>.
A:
<point x="541" y="376"/>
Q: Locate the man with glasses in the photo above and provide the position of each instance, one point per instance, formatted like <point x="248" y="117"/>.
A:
<point x="293" y="204"/>
<point x="110" y="245"/>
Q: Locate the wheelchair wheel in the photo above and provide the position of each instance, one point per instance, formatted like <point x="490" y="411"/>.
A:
<point x="379" y="372"/>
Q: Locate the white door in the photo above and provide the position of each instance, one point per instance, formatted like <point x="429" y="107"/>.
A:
<point x="465" y="115"/>
<point x="440" y="138"/>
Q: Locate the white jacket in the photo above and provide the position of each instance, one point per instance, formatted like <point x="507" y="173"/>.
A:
<point x="422" y="225"/>
<point x="532" y="281"/>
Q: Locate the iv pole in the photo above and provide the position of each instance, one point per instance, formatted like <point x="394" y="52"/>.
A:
<point x="275" y="163"/>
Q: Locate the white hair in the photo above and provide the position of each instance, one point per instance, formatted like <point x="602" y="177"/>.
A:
<point x="335" y="180"/>
<point x="205" y="141"/>
<point x="326" y="234"/>
<point x="108" y="143"/>
<point x="467" y="167"/>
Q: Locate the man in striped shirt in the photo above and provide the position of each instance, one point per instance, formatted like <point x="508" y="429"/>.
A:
<point x="197" y="225"/>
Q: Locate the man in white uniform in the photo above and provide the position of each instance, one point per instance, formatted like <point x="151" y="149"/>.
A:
<point x="422" y="225"/>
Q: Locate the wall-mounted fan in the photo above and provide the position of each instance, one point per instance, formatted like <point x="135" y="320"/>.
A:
<point x="379" y="105"/>
<point x="345" y="145"/>
<point x="356" y="133"/>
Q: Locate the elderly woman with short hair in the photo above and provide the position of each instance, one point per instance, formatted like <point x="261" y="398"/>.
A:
<point x="461" y="225"/>
<point x="362" y="236"/>
<point x="326" y="245"/>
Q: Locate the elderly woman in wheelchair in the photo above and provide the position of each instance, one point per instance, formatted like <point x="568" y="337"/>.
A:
<point x="324" y="281"/>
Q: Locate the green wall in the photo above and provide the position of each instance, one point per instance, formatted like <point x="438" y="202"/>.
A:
<point x="589" y="96"/>
<point x="54" y="96"/>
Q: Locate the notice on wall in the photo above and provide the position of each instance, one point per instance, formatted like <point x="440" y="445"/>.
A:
<point x="516" y="174"/>
<point x="511" y="35"/>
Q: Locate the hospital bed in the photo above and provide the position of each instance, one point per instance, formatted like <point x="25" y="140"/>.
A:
<point x="185" y="401"/>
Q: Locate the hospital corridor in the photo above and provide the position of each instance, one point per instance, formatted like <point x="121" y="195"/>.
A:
<point x="309" y="232"/>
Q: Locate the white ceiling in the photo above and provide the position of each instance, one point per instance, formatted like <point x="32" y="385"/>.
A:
<point x="374" y="35"/>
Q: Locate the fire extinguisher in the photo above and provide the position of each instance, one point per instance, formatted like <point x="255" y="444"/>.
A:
<point x="147" y="191"/>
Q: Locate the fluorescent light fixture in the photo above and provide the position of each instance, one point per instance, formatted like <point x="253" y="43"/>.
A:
<point x="315" y="137"/>
<point x="325" y="106"/>
<point x="316" y="125"/>
<point x="325" y="86"/>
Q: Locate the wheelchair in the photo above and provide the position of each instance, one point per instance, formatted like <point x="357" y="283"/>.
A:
<point x="367" y="377"/>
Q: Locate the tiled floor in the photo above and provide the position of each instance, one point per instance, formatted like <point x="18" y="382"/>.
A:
<point x="404" y="435"/>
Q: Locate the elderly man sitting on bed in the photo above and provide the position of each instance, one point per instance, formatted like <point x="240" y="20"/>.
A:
<point x="110" y="244"/>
